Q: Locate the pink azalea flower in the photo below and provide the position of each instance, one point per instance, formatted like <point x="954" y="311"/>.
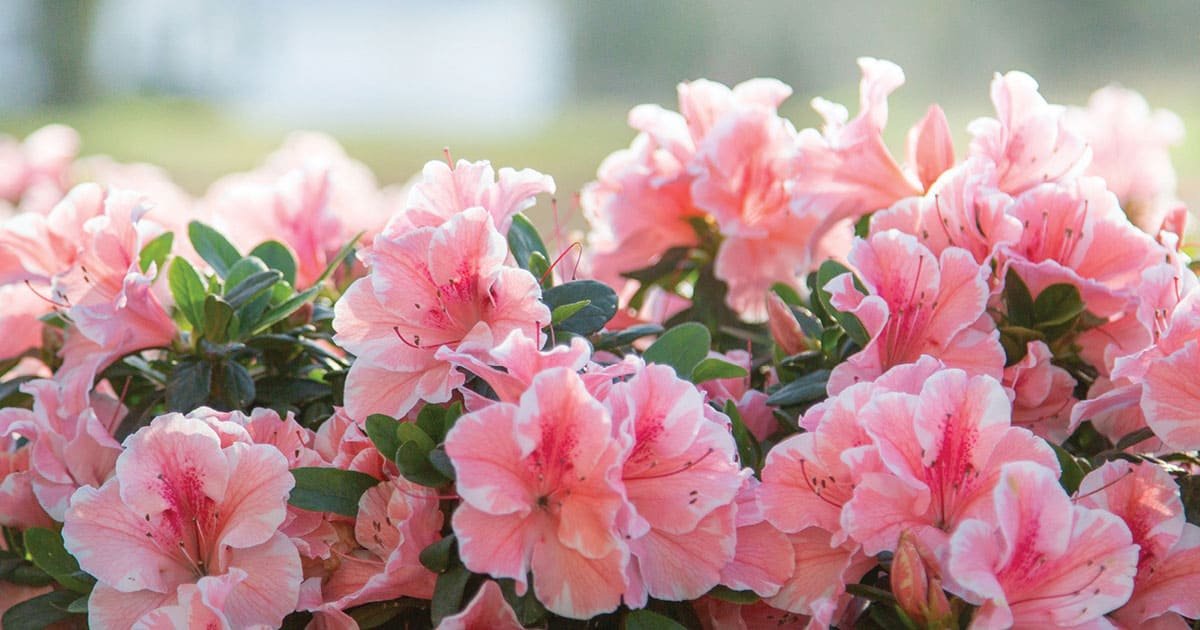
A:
<point x="940" y="454"/>
<point x="1168" y="573"/>
<point x="823" y="569"/>
<point x="444" y="192"/>
<point x="1043" y="561"/>
<point x="930" y="146"/>
<point x="963" y="208"/>
<point x="517" y="360"/>
<point x="809" y="477"/>
<point x="680" y="477"/>
<point x="541" y="489"/>
<point x="1131" y="151"/>
<point x="1029" y="141"/>
<point x="36" y="172"/>
<point x="396" y="520"/>
<point x="916" y="304"/>
<point x="428" y="288"/>
<point x="487" y="610"/>
<point x="70" y="440"/>
<point x="763" y="559"/>
<point x="718" y="614"/>
<point x="182" y="510"/>
<point x="847" y="171"/>
<point x="293" y="209"/>
<point x="19" y="507"/>
<point x="1043" y="394"/>
<point x="20" y="319"/>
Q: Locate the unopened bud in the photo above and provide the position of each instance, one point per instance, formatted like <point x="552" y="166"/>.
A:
<point x="917" y="585"/>
<point x="784" y="327"/>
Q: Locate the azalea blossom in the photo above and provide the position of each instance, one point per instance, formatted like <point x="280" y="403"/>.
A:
<point x="1043" y="561"/>
<point x="183" y="512"/>
<point x="428" y="288"/>
<point x="541" y="490"/>
<point x="444" y="191"/>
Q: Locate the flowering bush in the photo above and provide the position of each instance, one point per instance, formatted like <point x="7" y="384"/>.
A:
<point x="789" y="381"/>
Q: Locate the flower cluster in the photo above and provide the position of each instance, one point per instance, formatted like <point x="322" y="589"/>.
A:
<point x="793" y="382"/>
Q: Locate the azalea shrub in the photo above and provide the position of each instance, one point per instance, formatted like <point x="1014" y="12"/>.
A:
<point x="784" y="379"/>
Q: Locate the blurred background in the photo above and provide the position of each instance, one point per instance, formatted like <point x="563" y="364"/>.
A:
<point x="205" y="87"/>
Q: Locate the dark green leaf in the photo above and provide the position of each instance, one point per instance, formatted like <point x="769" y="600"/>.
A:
<point x="156" y="251"/>
<point x="1135" y="438"/>
<point x="441" y="462"/>
<point x="278" y="257"/>
<point x="453" y="413"/>
<point x="682" y="347"/>
<point x="805" y="389"/>
<point x="667" y="264"/>
<point x="431" y="420"/>
<point x="213" y="247"/>
<point x="448" y="593"/>
<point x="539" y="268"/>
<point x="524" y="240"/>
<point x="79" y="606"/>
<point x="412" y="432"/>
<point x="437" y="556"/>
<point x="1189" y="493"/>
<point x="375" y="614"/>
<point x="1057" y="304"/>
<point x="749" y="450"/>
<point x="237" y="386"/>
<point x="330" y="489"/>
<point x="45" y="548"/>
<point x="382" y="431"/>
<point x="189" y="385"/>
<point x="413" y="461"/>
<point x="787" y="294"/>
<point x="627" y="336"/>
<point x="848" y="321"/>
<point x="29" y="575"/>
<point x="252" y="287"/>
<point x="187" y="287"/>
<point x="1073" y="468"/>
<point x="40" y="612"/>
<point x="649" y="620"/>
<point x="290" y="391"/>
<point x="1018" y="299"/>
<point x="711" y="368"/>
<point x="217" y="315"/>
<point x="602" y="305"/>
<point x="565" y="311"/>
<point x="284" y="310"/>
<point x="530" y="612"/>
<point x="725" y="593"/>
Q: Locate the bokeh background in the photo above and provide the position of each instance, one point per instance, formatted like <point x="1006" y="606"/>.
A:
<point x="205" y="87"/>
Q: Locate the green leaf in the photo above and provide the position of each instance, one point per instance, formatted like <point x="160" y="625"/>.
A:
<point x="156" y="251"/>
<point x="441" y="462"/>
<point x="411" y="432"/>
<point x="524" y="240"/>
<point x="682" y="347"/>
<point x="217" y="315"/>
<point x="337" y="259"/>
<point x="727" y="594"/>
<point x="39" y="612"/>
<point x="1015" y="341"/>
<point x="189" y="385"/>
<point x="237" y="386"/>
<point x="650" y="620"/>
<point x="667" y="264"/>
<point x="79" y="606"/>
<point x="413" y="462"/>
<point x="749" y="450"/>
<point x="1018" y="299"/>
<point x="330" y="489"/>
<point x="284" y="310"/>
<point x="1074" y="469"/>
<point x="1135" y="438"/>
<point x="213" y="247"/>
<point x="711" y="368"/>
<point x="848" y="321"/>
<point x="252" y="287"/>
<point x="1057" y="304"/>
<point x="287" y="390"/>
<point x="805" y="389"/>
<point x="453" y="413"/>
<point x="382" y="431"/>
<point x="431" y="420"/>
<point x="565" y="311"/>
<point x="45" y="548"/>
<point x="787" y="294"/>
<point x="530" y="612"/>
<point x="448" y="593"/>
<point x="627" y="336"/>
<point x="278" y="257"/>
<point x="602" y="305"/>
<point x="437" y="556"/>
<point x="187" y="287"/>
<point x="539" y="267"/>
<point x="375" y="614"/>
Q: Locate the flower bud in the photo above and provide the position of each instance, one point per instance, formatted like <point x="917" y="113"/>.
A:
<point x="918" y="586"/>
<point x="784" y="327"/>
